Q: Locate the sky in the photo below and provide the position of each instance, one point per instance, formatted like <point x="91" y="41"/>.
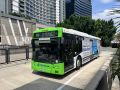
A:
<point x="101" y="8"/>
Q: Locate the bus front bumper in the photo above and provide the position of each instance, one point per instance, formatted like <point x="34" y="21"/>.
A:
<point x="48" y="68"/>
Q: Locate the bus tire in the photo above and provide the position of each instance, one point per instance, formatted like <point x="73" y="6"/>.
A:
<point x="78" y="63"/>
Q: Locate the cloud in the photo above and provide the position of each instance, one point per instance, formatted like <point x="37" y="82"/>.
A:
<point x="105" y="15"/>
<point x="106" y="1"/>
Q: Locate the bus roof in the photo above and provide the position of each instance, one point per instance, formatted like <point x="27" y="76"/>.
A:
<point x="70" y="31"/>
<point x="75" y="32"/>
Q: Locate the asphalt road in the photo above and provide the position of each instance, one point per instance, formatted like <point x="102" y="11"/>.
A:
<point x="21" y="77"/>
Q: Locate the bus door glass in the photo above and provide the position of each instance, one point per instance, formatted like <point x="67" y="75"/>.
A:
<point x="68" y="50"/>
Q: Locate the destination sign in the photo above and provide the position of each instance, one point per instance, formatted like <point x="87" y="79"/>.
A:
<point x="46" y="34"/>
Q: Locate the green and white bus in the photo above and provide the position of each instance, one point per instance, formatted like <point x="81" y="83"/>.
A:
<point x="59" y="50"/>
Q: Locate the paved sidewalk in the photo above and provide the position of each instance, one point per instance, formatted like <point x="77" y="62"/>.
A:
<point x="15" y="75"/>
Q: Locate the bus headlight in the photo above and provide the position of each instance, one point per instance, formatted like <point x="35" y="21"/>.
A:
<point x="56" y="61"/>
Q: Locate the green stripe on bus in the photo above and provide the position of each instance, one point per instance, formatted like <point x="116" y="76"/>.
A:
<point x="48" y="68"/>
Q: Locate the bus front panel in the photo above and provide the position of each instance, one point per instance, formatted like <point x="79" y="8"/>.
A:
<point x="46" y="52"/>
<point x="57" y="68"/>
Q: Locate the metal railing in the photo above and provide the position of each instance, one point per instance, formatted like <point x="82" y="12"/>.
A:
<point x="10" y="53"/>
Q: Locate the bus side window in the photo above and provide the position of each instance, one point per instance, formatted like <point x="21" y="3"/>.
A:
<point x="79" y="45"/>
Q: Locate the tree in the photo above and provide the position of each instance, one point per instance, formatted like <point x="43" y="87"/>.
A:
<point x="100" y="28"/>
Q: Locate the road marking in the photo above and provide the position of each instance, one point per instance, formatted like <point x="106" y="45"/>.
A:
<point x="64" y="84"/>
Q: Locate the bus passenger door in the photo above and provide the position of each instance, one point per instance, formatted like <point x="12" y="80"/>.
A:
<point x="67" y="52"/>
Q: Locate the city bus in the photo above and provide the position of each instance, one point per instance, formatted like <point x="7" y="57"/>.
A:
<point x="58" y="50"/>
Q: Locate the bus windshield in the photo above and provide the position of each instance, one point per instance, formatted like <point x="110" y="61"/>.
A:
<point x="46" y="52"/>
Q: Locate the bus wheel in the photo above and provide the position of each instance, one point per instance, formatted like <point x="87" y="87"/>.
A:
<point x="78" y="64"/>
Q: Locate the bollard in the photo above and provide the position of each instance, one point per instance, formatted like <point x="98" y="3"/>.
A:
<point x="27" y="53"/>
<point x="7" y="54"/>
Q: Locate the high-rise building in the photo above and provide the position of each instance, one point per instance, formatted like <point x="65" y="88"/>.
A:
<point x="48" y="12"/>
<point x="44" y="11"/>
<point x="60" y="10"/>
<point x="15" y="5"/>
<point x="78" y="7"/>
<point x="4" y="6"/>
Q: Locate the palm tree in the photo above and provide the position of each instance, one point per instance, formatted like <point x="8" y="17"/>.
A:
<point x="114" y="11"/>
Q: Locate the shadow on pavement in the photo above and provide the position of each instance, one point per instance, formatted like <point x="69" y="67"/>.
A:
<point x="43" y="84"/>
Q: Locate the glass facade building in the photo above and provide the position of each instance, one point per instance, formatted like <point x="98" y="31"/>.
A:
<point x="47" y="12"/>
<point x="5" y="6"/>
<point x="44" y="11"/>
<point x="78" y="7"/>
